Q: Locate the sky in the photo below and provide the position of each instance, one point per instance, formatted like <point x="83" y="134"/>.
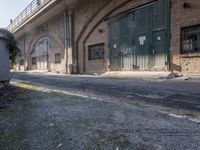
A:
<point x="10" y="9"/>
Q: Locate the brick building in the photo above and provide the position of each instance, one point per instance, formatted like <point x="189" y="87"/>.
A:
<point x="95" y="36"/>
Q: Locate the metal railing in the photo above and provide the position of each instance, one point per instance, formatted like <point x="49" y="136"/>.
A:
<point x="32" y="8"/>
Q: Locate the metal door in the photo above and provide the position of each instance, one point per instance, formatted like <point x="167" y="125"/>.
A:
<point x="140" y="39"/>
<point x="160" y="34"/>
<point x="142" y="31"/>
<point x="121" y="42"/>
<point x="126" y="42"/>
<point x="159" y="50"/>
<point x="160" y="15"/>
<point x="114" y="43"/>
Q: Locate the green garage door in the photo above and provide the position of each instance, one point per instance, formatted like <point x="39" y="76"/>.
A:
<point x="121" y="41"/>
<point x="160" y="35"/>
<point x="142" y="35"/>
<point x="140" y="39"/>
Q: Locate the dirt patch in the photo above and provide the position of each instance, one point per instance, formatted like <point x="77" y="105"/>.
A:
<point x="9" y="94"/>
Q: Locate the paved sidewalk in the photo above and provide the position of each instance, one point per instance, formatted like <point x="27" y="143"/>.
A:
<point x="131" y="75"/>
<point x="143" y="75"/>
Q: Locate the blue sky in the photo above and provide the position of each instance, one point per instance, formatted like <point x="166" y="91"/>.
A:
<point x="9" y="9"/>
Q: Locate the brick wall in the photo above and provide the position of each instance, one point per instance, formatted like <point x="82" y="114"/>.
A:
<point x="55" y="27"/>
<point x="95" y="37"/>
<point x="97" y="66"/>
<point x="181" y="17"/>
<point x="85" y="13"/>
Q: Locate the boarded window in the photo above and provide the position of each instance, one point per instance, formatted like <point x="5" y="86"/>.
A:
<point x="34" y="60"/>
<point x="96" y="52"/>
<point x="57" y="58"/>
<point x="191" y="39"/>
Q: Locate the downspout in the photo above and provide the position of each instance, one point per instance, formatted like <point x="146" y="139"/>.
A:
<point x="65" y="43"/>
<point x="70" y="38"/>
<point x="25" y="55"/>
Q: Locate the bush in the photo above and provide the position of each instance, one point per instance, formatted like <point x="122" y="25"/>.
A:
<point x="13" y="48"/>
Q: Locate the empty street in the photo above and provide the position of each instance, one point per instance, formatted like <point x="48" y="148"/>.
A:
<point x="89" y="112"/>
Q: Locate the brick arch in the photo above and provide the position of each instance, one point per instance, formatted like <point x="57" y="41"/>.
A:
<point x="38" y="37"/>
<point x="91" y="25"/>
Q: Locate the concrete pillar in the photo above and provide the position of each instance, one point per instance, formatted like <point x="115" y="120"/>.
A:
<point x="25" y="55"/>
<point x="68" y="40"/>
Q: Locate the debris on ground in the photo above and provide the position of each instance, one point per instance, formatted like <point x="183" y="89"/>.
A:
<point x="175" y="74"/>
<point x="51" y="124"/>
<point x="59" y="145"/>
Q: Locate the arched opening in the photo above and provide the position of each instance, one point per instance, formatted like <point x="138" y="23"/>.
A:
<point x="40" y="55"/>
<point x="97" y="19"/>
<point x="46" y="52"/>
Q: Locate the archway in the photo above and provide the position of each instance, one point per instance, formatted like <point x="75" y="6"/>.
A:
<point x="91" y="25"/>
<point x="41" y="48"/>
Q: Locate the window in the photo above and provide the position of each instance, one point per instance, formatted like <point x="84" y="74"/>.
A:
<point x="96" y="52"/>
<point x="21" y="62"/>
<point x="191" y="39"/>
<point x="38" y="2"/>
<point x="57" y="58"/>
<point x="34" y="60"/>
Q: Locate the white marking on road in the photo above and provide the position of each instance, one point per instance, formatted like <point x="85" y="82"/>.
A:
<point x="59" y="145"/>
<point x="153" y="96"/>
<point x="195" y="120"/>
<point x="84" y="96"/>
<point x="177" y="116"/>
<point x="51" y="89"/>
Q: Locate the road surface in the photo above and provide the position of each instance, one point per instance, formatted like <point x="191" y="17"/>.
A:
<point x="86" y="112"/>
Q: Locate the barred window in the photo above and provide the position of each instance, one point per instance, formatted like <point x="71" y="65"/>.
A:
<point x="191" y="39"/>
<point x="96" y="52"/>
<point x="57" y="58"/>
<point x="34" y="60"/>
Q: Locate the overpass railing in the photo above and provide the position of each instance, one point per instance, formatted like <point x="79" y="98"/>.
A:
<point x="32" y="8"/>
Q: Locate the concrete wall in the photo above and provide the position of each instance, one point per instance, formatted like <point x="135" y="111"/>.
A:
<point x="4" y="61"/>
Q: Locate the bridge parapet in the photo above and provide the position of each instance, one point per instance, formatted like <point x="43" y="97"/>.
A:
<point x="31" y="9"/>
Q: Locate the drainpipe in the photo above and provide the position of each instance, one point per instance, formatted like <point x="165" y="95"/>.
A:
<point x="70" y="37"/>
<point x="48" y="68"/>
<point x="65" y="42"/>
<point x="25" y="55"/>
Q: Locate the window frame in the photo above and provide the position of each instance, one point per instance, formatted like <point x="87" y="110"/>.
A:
<point x="93" y="47"/>
<point x="21" y="62"/>
<point x="182" y="39"/>
<point x="57" y="55"/>
<point x="35" y="61"/>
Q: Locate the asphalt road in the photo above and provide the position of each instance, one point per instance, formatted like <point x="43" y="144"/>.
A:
<point x="85" y="112"/>
<point x="178" y="94"/>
